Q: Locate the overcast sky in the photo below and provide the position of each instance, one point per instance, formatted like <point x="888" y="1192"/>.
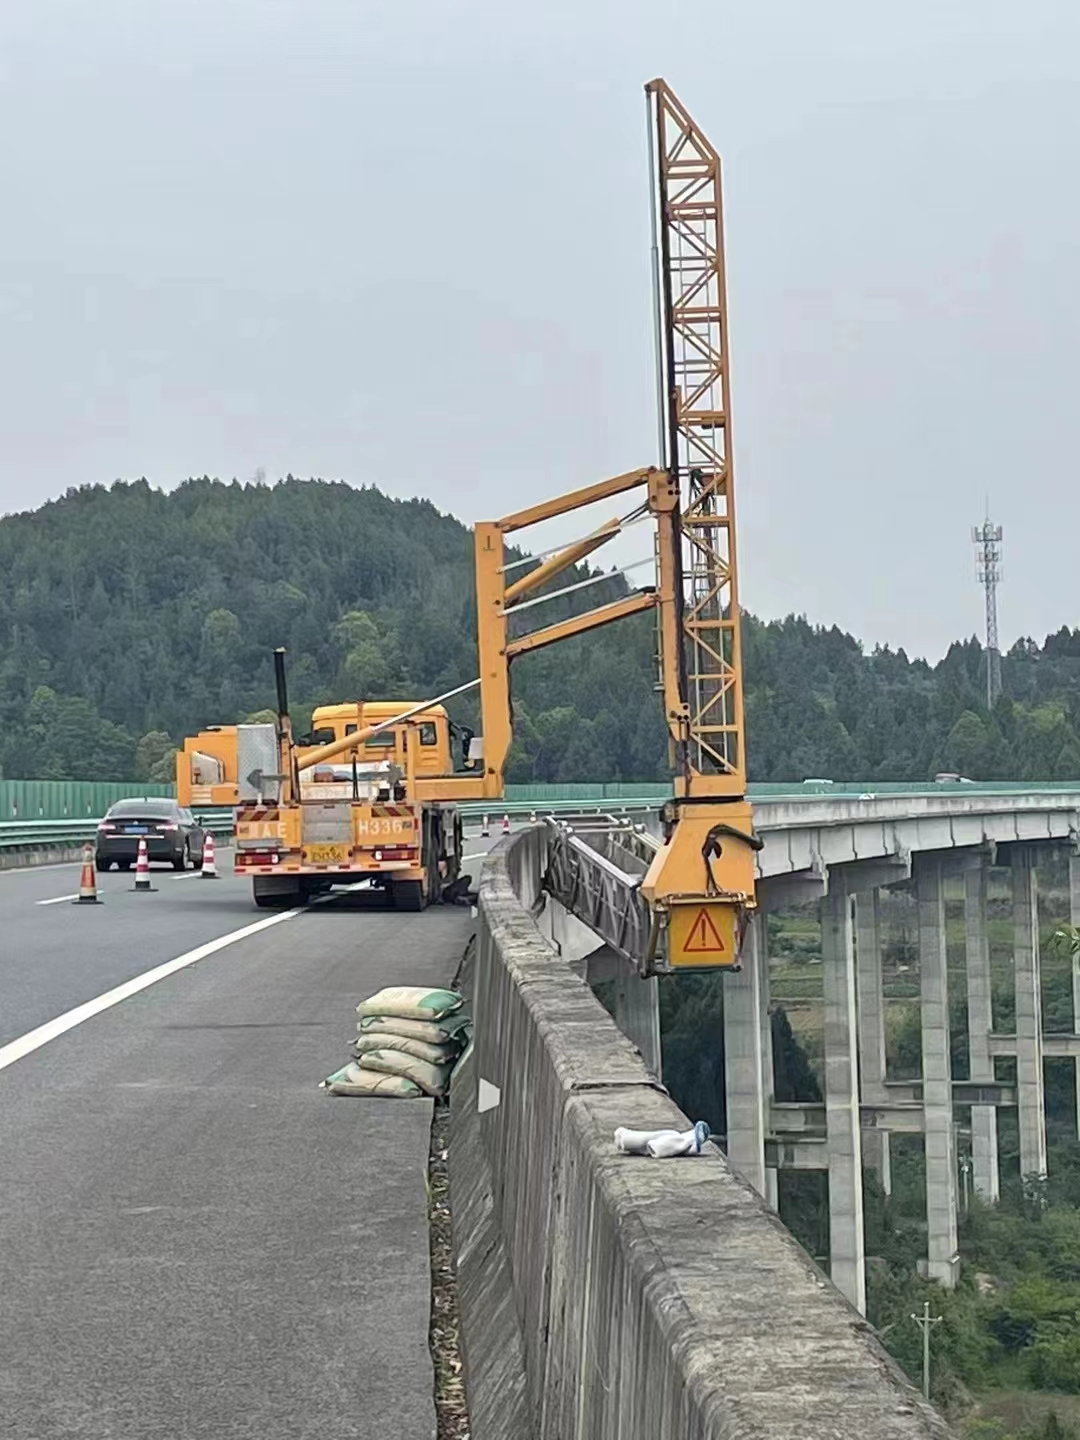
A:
<point x="406" y="242"/>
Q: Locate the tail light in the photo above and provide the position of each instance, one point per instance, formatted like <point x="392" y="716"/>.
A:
<point x="106" y="825"/>
<point x="167" y="828"/>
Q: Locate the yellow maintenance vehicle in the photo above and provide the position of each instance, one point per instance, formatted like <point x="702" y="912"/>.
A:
<point x="378" y="798"/>
<point x="304" y="823"/>
<point x="207" y="764"/>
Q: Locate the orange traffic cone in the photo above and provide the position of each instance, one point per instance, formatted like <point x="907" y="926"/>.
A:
<point x="209" y="860"/>
<point x="142" y="868"/>
<point x="88" y="881"/>
<point x="506" y="825"/>
<point x="485" y="829"/>
<point x="532" y="817"/>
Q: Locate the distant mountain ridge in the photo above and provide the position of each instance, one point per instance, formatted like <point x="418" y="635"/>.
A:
<point x="131" y="616"/>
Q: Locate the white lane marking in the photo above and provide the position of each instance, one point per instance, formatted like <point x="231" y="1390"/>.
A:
<point x="57" y="899"/>
<point x="482" y="855"/>
<point x="187" y="875"/>
<point x="34" y="1039"/>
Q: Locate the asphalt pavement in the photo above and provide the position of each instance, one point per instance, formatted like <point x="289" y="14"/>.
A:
<point x="195" y="1241"/>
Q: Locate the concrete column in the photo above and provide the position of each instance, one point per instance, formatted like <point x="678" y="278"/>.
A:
<point x="637" y="1014"/>
<point x="871" y="1020"/>
<point x="984" y="1137"/>
<point x="1074" y="918"/>
<point x="847" y="1244"/>
<point x="941" y="1237"/>
<point x="768" y="1076"/>
<point x="1030" y="1099"/>
<point x="743" y="1070"/>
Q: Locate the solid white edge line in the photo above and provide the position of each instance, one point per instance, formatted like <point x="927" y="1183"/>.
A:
<point x="52" y="1029"/>
<point x="57" y="899"/>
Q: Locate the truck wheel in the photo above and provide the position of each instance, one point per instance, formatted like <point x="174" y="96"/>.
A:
<point x="270" y="893"/>
<point x="408" y="895"/>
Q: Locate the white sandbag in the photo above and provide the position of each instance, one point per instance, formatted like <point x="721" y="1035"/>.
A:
<point x="419" y="1049"/>
<point x="432" y="1079"/>
<point x="352" y="1080"/>
<point x="433" y="1032"/>
<point x="411" y="1002"/>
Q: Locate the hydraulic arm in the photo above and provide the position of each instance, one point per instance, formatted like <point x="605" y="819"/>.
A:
<point x="700" y="885"/>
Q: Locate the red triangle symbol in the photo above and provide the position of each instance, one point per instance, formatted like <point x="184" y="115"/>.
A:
<point x="704" y="938"/>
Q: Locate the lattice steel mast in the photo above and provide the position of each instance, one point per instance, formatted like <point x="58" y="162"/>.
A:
<point x="694" y="402"/>
<point x="987" y="541"/>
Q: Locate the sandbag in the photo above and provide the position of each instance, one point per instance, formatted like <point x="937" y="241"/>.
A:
<point x="352" y="1080"/>
<point x="411" y="1002"/>
<point x="433" y="1032"/>
<point x="432" y="1079"/>
<point x="419" y="1049"/>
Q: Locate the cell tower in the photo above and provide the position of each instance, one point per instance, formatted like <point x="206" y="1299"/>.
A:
<point x="987" y="541"/>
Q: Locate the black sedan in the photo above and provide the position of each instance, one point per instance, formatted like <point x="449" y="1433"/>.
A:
<point x="171" y="833"/>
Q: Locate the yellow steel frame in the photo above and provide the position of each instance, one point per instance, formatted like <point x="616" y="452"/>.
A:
<point x="701" y="884"/>
<point x="696" y="423"/>
<point x="495" y="601"/>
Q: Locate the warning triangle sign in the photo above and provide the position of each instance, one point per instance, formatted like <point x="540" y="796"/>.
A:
<point x="704" y="938"/>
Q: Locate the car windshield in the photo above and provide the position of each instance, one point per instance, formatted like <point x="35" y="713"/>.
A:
<point x="144" y="809"/>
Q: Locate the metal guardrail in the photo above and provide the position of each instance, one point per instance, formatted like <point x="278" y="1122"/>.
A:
<point x="594" y="869"/>
<point x="56" y="834"/>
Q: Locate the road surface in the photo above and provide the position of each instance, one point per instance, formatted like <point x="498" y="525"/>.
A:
<point x="196" y="1240"/>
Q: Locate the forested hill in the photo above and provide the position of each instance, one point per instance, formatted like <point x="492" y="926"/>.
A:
<point x="130" y="617"/>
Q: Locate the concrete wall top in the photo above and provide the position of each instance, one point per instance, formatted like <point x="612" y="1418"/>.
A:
<point x="657" y="1300"/>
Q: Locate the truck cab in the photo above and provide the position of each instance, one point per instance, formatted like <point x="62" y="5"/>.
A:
<point x="428" y="735"/>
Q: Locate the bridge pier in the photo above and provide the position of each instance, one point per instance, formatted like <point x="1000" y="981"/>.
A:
<point x="1029" y="1052"/>
<point x="847" y="1244"/>
<point x="744" y="1067"/>
<point x="984" y="1134"/>
<point x="942" y="1257"/>
<point x="871" y="1019"/>
<point x="637" y="1014"/>
<point x="768" y="1073"/>
<point x="1074" y="917"/>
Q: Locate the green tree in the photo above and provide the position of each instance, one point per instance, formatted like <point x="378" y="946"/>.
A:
<point x="970" y="748"/>
<point x="371" y="666"/>
<point x="155" y="757"/>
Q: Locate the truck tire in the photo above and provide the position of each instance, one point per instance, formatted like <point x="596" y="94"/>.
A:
<point x="269" y="893"/>
<point x="408" y="895"/>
